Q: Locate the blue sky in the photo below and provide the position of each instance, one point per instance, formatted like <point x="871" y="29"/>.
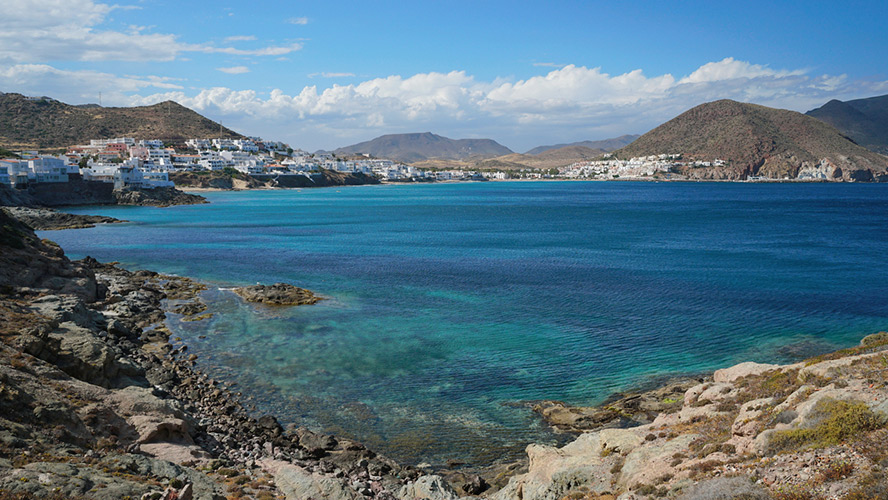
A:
<point x="328" y="74"/>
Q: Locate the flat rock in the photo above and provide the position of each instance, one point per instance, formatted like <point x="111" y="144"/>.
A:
<point x="278" y="294"/>
<point x="742" y="370"/>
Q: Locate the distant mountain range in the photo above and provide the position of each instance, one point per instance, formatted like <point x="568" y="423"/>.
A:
<point x="606" y="145"/>
<point x="44" y="123"/>
<point x="759" y="141"/>
<point x="865" y="121"/>
<point x="431" y="150"/>
<point x="412" y="148"/>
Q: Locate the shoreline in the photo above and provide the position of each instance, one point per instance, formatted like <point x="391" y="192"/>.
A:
<point x="173" y="374"/>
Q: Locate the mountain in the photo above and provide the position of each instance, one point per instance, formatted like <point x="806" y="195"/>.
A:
<point x="756" y="140"/>
<point x="411" y="148"/>
<point x="865" y="121"/>
<point x="45" y="123"/>
<point x="551" y="158"/>
<point x="606" y="145"/>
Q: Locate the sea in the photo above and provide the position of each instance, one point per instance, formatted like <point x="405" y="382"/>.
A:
<point x="450" y="309"/>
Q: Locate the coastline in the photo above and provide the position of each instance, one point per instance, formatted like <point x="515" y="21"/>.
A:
<point x="203" y="394"/>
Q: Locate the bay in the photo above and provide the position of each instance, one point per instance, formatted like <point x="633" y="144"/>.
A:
<point x="451" y="307"/>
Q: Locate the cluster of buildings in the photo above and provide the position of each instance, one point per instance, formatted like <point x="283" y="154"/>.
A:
<point x="645" y="166"/>
<point x="127" y="162"/>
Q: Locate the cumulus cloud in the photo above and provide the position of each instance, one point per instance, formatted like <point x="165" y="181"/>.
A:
<point x="568" y="103"/>
<point x="234" y="70"/>
<point x="70" y="30"/>
<point x="562" y="105"/>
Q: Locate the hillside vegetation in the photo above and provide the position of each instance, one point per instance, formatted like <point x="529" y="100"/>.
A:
<point x="49" y="124"/>
<point x="411" y="148"/>
<point x="757" y="140"/>
<point x="865" y="121"/>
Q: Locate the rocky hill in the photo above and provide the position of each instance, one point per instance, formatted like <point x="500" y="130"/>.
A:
<point x="865" y="121"/>
<point x="411" y="148"/>
<point x="27" y="123"/>
<point x="606" y="145"/>
<point x="756" y="140"/>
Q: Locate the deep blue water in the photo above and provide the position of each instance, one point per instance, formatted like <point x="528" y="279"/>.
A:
<point x="452" y="305"/>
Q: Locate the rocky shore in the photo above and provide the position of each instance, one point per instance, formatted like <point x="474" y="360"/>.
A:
<point x="45" y="219"/>
<point x="96" y="401"/>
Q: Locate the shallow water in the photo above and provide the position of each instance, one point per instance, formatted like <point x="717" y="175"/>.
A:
<point x="451" y="306"/>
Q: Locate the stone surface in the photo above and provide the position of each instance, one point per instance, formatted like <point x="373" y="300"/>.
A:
<point x="278" y="294"/>
<point x="741" y="370"/>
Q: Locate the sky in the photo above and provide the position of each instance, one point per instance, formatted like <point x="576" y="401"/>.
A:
<point x="321" y="75"/>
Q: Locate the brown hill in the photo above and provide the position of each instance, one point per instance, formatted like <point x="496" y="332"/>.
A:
<point x="865" y="121"/>
<point x="607" y="145"/>
<point x="45" y="123"/>
<point x="550" y="158"/>
<point x="413" y="148"/>
<point x="759" y="141"/>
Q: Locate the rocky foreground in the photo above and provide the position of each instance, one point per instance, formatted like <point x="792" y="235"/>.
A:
<point x="96" y="402"/>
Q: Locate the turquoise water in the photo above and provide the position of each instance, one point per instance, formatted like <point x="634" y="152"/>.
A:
<point x="452" y="306"/>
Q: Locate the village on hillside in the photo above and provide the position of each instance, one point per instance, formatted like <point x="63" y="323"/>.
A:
<point x="146" y="164"/>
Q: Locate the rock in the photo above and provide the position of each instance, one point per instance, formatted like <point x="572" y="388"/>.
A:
<point x="741" y="370"/>
<point x="646" y="463"/>
<point x="157" y="197"/>
<point x="553" y="473"/>
<point x="297" y="483"/>
<point x="476" y="485"/>
<point x="45" y="219"/>
<point x="619" y="440"/>
<point x="279" y="294"/>
<point x="430" y="487"/>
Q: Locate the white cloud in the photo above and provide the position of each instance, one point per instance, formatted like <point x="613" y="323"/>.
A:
<point x="265" y="51"/>
<point x="240" y="38"/>
<point x="562" y="105"/>
<point x="234" y="70"/>
<point x="298" y="20"/>
<point x="78" y="86"/>
<point x="71" y="30"/>
<point x="730" y="69"/>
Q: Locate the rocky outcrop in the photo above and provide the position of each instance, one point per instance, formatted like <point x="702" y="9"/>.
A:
<point x="96" y="402"/>
<point x="156" y="197"/>
<point x="816" y="428"/>
<point x="45" y="219"/>
<point x="278" y="294"/>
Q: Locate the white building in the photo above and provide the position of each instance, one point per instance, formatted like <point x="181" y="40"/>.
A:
<point x="224" y="144"/>
<point x="199" y="144"/>
<point x="125" y="175"/>
<point x="151" y="143"/>
<point x="47" y="169"/>
<point x="129" y="141"/>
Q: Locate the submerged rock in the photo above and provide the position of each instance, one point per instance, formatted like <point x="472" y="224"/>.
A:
<point x="279" y="294"/>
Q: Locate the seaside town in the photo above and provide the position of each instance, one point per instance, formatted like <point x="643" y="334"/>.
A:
<point x="146" y="164"/>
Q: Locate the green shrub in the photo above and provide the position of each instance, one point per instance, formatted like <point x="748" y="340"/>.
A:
<point x="839" y="421"/>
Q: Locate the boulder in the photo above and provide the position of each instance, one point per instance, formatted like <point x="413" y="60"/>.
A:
<point x="427" y="488"/>
<point x="742" y="370"/>
<point x="297" y="483"/>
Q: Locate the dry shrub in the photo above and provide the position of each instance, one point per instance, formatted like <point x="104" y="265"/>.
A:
<point x="838" y="420"/>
